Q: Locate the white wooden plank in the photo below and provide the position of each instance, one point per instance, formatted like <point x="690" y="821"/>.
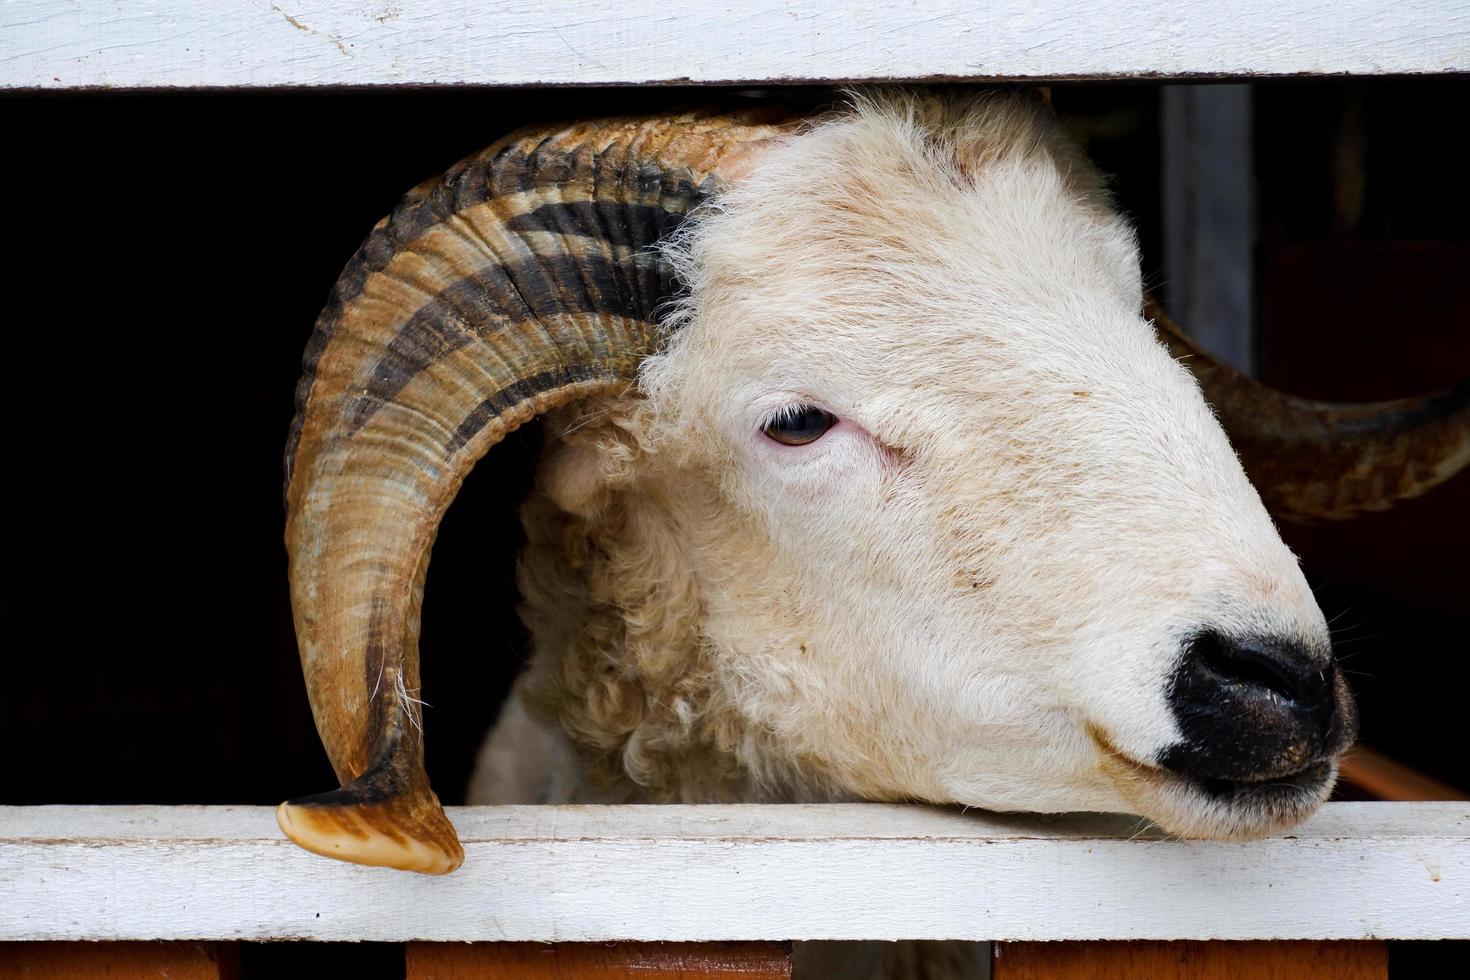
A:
<point x="172" y="43"/>
<point x="1356" y="871"/>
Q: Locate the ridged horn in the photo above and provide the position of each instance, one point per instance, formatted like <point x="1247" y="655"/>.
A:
<point x="521" y="280"/>
<point x="1314" y="460"/>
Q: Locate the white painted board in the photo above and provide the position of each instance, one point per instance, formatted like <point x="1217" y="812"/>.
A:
<point x="1355" y="871"/>
<point x="257" y="43"/>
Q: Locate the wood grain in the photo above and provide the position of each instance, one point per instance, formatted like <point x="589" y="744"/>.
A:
<point x="183" y="43"/>
<point x="1191" y="961"/>
<point x="597" y="961"/>
<point x="119" y="961"/>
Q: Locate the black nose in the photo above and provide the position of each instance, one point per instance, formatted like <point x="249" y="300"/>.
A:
<point x="1254" y="708"/>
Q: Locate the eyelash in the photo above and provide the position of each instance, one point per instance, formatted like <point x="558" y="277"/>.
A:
<point x="780" y="426"/>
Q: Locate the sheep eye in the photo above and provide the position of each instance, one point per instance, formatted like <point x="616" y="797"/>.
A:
<point x="799" y="425"/>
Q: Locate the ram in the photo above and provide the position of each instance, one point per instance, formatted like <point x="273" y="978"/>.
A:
<point x="867" y="478"/>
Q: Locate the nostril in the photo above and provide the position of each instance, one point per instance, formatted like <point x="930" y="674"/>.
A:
<point x="1251" y="666"/>
<point x="1252" y="708"/>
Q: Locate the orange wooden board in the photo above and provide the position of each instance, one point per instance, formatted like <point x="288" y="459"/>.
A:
<point x="118" y="961"/>
<point x="597" y="961"/>
<point x="1375" y="776"/>
<point x="1191" y="961"/>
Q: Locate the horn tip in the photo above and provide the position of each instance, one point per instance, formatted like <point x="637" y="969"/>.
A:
<point x="385" y="835"/>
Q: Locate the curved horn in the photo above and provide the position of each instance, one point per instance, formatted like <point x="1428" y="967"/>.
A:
<point x="521" y="280"/>
<point x="1314" y="460"/>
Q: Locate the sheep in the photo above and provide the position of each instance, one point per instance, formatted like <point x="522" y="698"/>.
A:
<point x="870" y="480"/>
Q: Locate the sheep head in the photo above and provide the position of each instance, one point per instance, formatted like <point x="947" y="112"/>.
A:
<point x="903" y="498"/>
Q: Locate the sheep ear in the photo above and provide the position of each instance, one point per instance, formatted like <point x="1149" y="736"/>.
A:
<point x="522" y="280"/>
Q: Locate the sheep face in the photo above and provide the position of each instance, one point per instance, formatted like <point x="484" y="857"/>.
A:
<point x="956" y="526"/>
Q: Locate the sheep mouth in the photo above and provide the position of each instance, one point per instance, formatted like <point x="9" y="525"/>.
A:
<point x="1309" y="778"/>
<point x="1218" y="809"/>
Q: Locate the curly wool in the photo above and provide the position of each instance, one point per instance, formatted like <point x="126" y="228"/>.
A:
<point x="621" y="663"/>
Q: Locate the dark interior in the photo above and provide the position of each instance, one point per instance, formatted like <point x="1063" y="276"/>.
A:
<point x="169" y="253"/>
